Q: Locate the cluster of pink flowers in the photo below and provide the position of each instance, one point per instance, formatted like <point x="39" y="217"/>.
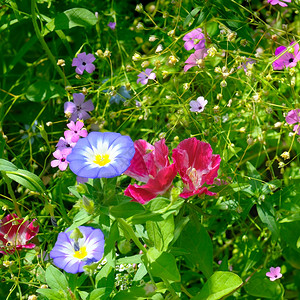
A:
<point x="77" y="112"/>
<point x="195" y="40"/>
<point x="192" y="159"/>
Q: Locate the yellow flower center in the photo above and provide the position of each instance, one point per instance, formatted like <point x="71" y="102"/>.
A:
<point x="81" y="253"/>
<point x="102" y="160"/>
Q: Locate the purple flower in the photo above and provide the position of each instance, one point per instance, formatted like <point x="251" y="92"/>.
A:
<point x="145" y="76"/>
<point x="195" y="59"/>
<point x="198" y="105"/>
<point x="75" y="131"/>
<point x="112" y="25"/>
<point x="72" y="253"/>
<point x="79" y="108"/>
<point x="61" y="159"/>
<point x="101" y="154"/>
<point x="83" y="62"/>
<point x="287" y="59"/>
<point x="245" y="64"/>
<point x="293" y="117"/>
<point x="274" y="273"/>
<point x="281" y="3"/>
<point x="194" y="39"/>
<point x="65" y="143"/>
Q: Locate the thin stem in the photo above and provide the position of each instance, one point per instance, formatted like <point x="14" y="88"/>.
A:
<point x="12" y="194"/>
<point x="43" y="43"/>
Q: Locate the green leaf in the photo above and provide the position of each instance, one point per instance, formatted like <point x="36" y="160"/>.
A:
<point x="6" y="165"/>
<point x="72" y="18"/>
<point x="191" y="16"/>
<point x="56" y="279"/>
<point x="260" y="285"/>
<point x="126" y="210"/>
<point x="51" y="294"/>
<point x="144" y="292"/>
<point x="99" y="294"/>
<point x="266" y="214"/>
<point x="43" y="90"/>
<point x="161" y="233"/>
<point x="162" y="264"/>
<point x="196" y="241"/>
<point x="80" y="218"/>
<point x="135" y="259"/>
<point x="219" y="285"/>
<point x="27" y="179"/>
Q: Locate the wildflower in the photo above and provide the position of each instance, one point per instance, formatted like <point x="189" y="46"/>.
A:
<point x="112" y="25"/>
<point x="285" y="155"/>
<point x="159" y="48"/>
<point x="150" y="165"/>
<point x="79" y="108"/>
<point x="101" y="154"/>
<point x="287" y="59"/>
<point x="195" y="59"/>
<point x="198" y="105"/>
<point x="65" y="143"/>
<point x="194" y="40"/>
<point x="71" y="253"/>
<point x="274" y="273"/>
<point x="61" y="158"/>
<point x="281" y="3"/>
<point x="145" y="76"/>
<point x="245" y="65"/>
<point x="15" y="234"/>
<point x="120" y="95"/>
<point x="61" y="62"/>
<point x="293" y="117"/>
<point x="196" y="165"/>
<point x="83" y="62"/>
<point x="152" y="38"/>
<point x="75" y="131"/>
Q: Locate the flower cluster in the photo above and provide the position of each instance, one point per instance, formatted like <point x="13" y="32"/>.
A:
<point x="195" y="40"/>
<point x="193" y="160"/>
<point x="15" y="233"/>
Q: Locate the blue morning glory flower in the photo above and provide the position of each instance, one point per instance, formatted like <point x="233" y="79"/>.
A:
<point x="71" y="254"/>
<point x="101" y="154"/>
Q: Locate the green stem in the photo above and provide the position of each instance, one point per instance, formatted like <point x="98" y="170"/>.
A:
<point x="43" y="43"/>
<point x="12" y="194"/>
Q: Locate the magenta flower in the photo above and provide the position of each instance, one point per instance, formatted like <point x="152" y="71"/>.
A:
<point x="79" y="108"/>
<point x="83" y="62"/>
<point x="287" y="59"/>
<point x="281" y="3"/>
<point x="61" y="158"/>
<point x="15" y="234"/>
<point x="112" y="25"/>
<point x="75" y="131"/>
<point x="198" y="105"/>
<point x="194" y="39"/>
<point x="145" y="76"/>
<point x="65" y="143"/>
<point x="196" y="165"/>
<point x="150" y="165"/>
<point x="293" y="117"/>
<point x="274" y="273"/>
<point x="195" y="59"/>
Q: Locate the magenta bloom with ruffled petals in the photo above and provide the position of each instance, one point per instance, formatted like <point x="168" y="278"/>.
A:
<point x="15" y="234"/>
<point x="75" y="131"/>
<point x="83" y="62"/>
<point x="287" y="59"/>
<point x="194" y="40"/>
<point x="150" y="165"/>
<point x="196" y="165"/>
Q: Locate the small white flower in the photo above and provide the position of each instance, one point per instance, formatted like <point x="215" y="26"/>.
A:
<point x="198" y="105"/>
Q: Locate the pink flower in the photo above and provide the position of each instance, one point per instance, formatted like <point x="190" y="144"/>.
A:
<point x="145" y="76"/>
<point x="83" y="62"/>
<point x="194" y="39"/>
<point x="150" y="165"/>
<point x="281" y="3"/>
<point x="61" y="161"/>
<point x="287" y="59"/>
<point x="293" y="117"/>
<point x="274" y="273"/>
<point x="75" y="131"/>
<point x="15" y="233"/>
<point x="196" y="165"/>
<point x="195" y="59"/>
<point x="65" y="143"/>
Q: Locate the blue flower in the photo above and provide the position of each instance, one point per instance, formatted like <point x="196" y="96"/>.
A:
<point x="122" y="94"/>
<point x="101" y="154"/>
<point x="71" y="254"/>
